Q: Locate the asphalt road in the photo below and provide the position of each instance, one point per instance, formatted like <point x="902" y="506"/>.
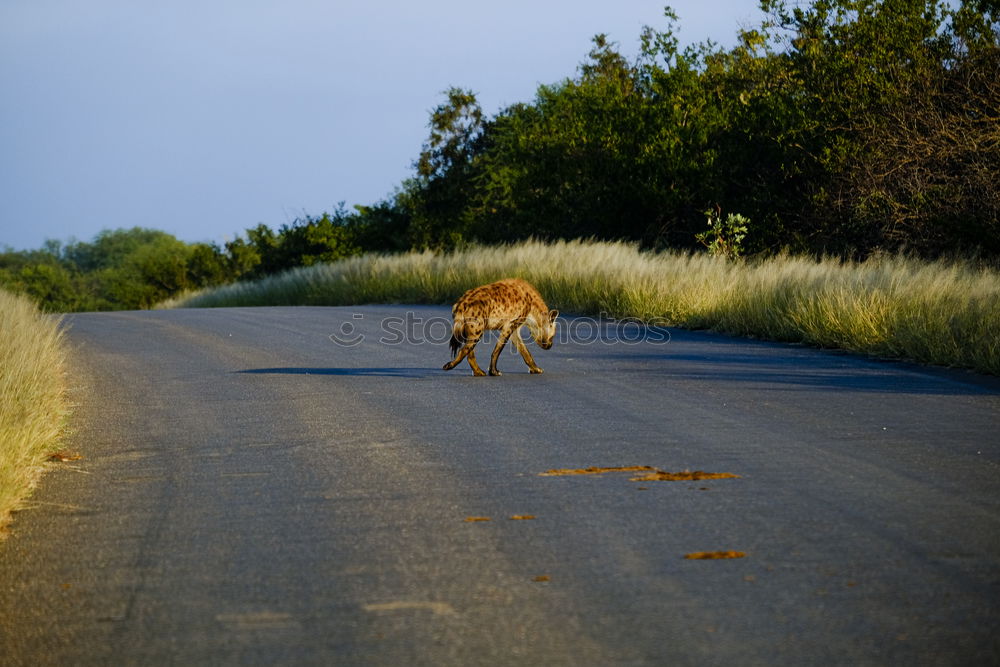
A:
<point x="253" y="492"/>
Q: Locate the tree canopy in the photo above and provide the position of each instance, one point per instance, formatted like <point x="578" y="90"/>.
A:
<point x="837" y="127"/>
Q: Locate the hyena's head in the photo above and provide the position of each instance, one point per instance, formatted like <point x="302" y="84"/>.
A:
<point x="546" y="331"/>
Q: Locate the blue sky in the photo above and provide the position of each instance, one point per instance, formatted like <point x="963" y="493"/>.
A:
<point x="205" y="118"/>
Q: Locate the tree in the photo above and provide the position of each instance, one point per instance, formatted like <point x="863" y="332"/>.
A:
<point x="151" y="273"/>
<point x="903" y="97"/>
<point x="110" y="247"/>
<point x="437" y="199"/>
<point x="207" y="265"/>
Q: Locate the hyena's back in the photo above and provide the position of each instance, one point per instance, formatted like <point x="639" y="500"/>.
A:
<point x="499" y="302"/>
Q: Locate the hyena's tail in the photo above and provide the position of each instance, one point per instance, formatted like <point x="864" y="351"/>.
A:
<point x="457" y="339"/>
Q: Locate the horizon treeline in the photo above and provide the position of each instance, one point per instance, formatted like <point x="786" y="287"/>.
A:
<point x="838" y="127"/>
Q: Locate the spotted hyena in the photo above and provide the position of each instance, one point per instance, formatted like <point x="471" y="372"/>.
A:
<point x="505" y="305"/>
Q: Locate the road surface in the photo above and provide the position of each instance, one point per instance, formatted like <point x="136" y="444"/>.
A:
<point x="306" y="486"/>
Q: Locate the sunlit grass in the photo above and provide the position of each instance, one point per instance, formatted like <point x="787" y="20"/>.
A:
<point x="942" y="313"/>
<point x="32" y="398"/>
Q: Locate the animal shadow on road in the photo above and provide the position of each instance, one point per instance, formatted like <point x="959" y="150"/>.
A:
<point x="355" y="372"/>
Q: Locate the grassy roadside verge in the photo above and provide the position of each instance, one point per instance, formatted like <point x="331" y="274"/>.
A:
<point x="32" y="398"/>
<point x="943" y="313"/>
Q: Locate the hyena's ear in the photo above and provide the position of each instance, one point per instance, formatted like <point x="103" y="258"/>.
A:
<point x="553" y="314"/>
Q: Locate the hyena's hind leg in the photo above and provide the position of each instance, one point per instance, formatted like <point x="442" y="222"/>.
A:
<point x="468" y="350"/>
<point x="525" y="353"/>
<point x="476" y="370"/>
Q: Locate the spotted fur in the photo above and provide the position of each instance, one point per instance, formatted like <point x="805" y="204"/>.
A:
<point x="505" y="306"/>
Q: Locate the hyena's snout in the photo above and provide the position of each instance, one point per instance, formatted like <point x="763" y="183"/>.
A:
<point x="545" y="335"/>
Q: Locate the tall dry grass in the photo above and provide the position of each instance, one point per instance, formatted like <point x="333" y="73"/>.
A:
<point x="33" y="406"/>
<point x="944" y="312"/>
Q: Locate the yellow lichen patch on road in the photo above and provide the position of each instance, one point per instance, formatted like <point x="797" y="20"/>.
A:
<point x="714" y="555"/>
<point x="685" y="476"/>
<point x="594" y="470"/>
<point x="651" y="474"/>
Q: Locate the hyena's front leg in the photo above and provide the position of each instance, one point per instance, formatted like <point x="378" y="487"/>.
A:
<point x="505" y="334"/>
<point x="525" y="354"/>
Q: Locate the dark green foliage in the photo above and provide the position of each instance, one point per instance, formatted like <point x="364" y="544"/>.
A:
<point x="844" y="126"/>
<point x="302" y="243"/>
<point x="382" y="227"/>
<point x="120" y="269"/>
